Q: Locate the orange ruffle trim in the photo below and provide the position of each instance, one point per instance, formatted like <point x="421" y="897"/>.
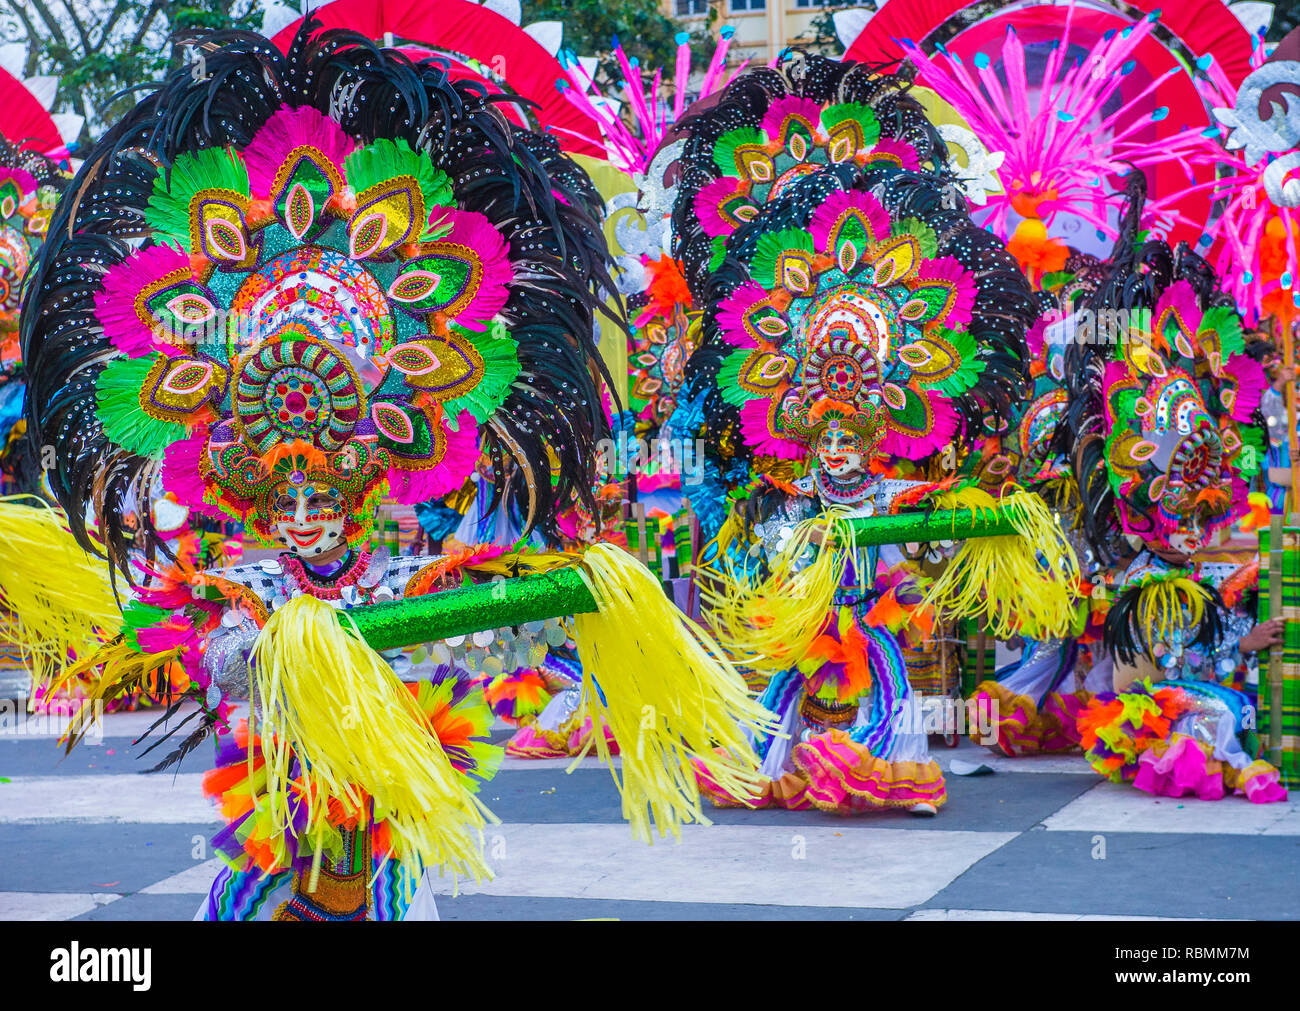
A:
<point x="1021" y="728"/>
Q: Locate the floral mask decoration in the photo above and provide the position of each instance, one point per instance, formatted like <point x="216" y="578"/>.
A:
<point x="854" y="320"/>
<point x="797" y="137"/>
<point x="1178" y="399"/>
<point x="1023" y="451"/>
<point x="313" y="296"/>
<point x="666" y="335"/>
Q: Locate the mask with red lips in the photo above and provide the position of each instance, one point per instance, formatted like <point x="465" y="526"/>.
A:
<point x="840" y="451"/>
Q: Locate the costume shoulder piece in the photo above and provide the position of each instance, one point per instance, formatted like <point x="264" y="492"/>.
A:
<point x="847" y="286"/>
<point x="330" y="266"/>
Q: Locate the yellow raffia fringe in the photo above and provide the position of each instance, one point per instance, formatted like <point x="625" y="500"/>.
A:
<point x="1003" y="580"/>
<point x="1166" y="604"/>
<point x="669" y="693"/>
<point x="59" y="599"/>
<point x="768" y="627"/>
<point x="332" y="701"/>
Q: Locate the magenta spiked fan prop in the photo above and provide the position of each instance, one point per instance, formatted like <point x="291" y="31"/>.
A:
<point x="633" y="147"/>
<point x="1257" y="234"/>
<point x="1064" y="139"/>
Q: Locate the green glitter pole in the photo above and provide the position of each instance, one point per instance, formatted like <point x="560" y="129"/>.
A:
<point x="942" y="525"/>
<point x="507" y="602"/>
<point x="476" y="608"/>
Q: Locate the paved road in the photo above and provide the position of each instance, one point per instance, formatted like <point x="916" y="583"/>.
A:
<point x="88" y="837"/>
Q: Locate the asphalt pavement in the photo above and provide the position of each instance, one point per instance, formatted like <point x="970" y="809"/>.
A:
<point x="88" y="836"/>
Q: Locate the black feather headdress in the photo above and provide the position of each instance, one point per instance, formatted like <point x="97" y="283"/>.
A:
<point x="334" y="261"/>
<point x="1145" y="613"/>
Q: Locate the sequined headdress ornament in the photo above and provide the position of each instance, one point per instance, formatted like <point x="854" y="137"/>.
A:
<point x="850" y="286"/>
<point x="335" y="247"/>
<point x="1019" y="449"/>
<point x="1165" y="419"/>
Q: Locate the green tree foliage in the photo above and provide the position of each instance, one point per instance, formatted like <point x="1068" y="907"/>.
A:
<point x="820" y="36"/>
<point x="1286" y="16"/>
<point x="99" y="48"/>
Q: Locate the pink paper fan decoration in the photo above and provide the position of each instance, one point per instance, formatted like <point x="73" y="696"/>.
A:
<point x="409" y="487"/>
<point x="1066" y="121"/>
<point x="829" y="213"/>
<point x="25" y="181"/>
<point x="897" y="151"/>
<point x="779" y="111"/>
<point x="732" y="311"/>
<point x="947" y="268"/>
<point x="285" y="130"/>
<point x="708" y="204"/>
<point x="1179" y="297"/>
<point x="636" y="122"/>
<point x="1251" y="380"/>
<point x="115" y="300"/>
<point x="180" y="473"/>
<point x="759" y="438"/>
<point x="476" y="231"/>
<point x="915" y="447"/>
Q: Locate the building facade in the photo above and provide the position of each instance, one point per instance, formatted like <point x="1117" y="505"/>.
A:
<point x="764" y="27"/>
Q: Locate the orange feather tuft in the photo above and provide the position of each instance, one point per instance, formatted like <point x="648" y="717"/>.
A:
<point x="1239" y="582"/>
<point x="298" y="449"/>
<point x="667" y="288"/>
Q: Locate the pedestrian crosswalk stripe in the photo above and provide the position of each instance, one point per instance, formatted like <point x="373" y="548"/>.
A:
<point x="1117" y="807"/>
<point x="157" y="799"/>
<point x="753" y="864"/>
<point x="51" y="905"/>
